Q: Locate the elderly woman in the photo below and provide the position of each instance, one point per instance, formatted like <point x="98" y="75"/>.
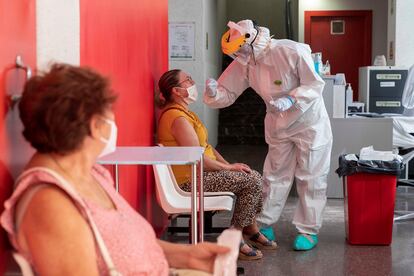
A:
<point x="178" y="126"/>
<point x="64" y="217"/>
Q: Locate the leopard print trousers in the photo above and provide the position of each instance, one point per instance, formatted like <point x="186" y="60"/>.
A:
<point x="246" y="186"/>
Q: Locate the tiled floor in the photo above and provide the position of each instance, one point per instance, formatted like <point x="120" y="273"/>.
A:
<point x="333" y="255"/>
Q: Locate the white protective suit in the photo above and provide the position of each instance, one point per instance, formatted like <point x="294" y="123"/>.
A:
<point x="299" y="139"/>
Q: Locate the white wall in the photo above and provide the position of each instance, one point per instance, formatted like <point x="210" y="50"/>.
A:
<point x="400" y="32"/>
<point x="57" y="32"/>
<point x="391" y="33"/>
<point x="57" y="40"/>
<point x="215" y="25"/>
<point x="379" y="17"/>
<point x="190" y="11"/>
<point x="209" y="18"/>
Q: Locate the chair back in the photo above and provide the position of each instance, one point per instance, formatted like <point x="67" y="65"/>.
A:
<point x="173" y="200"/>
<point x="176" y="187"/>
<point x="170" y="200"/>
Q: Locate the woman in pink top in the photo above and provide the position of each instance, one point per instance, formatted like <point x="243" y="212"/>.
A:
<point x="68" y="119"/>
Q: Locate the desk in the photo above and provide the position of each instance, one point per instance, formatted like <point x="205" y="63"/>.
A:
<point x="351" y="134"/>
<point x="171" y="156"/>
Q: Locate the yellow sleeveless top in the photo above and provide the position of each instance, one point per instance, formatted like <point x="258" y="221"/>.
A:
<point x="165" y="137"/>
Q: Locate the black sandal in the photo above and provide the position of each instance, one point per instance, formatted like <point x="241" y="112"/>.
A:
<point x="253" y="254"/>
<point x="253" y="240"/>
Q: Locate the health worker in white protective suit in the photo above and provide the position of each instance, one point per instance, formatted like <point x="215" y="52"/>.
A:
<point x="297" y="127"/>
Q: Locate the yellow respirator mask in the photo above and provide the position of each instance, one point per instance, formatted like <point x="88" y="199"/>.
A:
<point x="230" y="47"/>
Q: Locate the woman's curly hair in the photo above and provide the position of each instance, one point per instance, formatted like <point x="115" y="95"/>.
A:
<point x="56" y="107"/>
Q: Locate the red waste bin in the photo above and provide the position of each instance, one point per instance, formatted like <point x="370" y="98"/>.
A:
<point x="369" y="208"/>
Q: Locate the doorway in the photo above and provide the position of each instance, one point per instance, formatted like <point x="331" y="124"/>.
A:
<point x="344" y="38"/>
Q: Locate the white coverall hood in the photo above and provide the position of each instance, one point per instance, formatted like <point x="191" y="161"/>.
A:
<point x="255" y="45"/>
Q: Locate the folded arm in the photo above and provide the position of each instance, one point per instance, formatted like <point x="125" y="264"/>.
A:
<point x="311" y="84"/>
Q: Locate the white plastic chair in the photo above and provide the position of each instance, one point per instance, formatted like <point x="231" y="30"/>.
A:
<point x="173" y="200"/>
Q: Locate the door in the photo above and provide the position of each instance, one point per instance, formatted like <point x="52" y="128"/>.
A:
<point x="343" y="38"/>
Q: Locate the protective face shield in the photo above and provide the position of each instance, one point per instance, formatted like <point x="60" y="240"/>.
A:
<point x="110" y="144"/>
<point x="242" y="33"/>
<point x="245" y="40"/>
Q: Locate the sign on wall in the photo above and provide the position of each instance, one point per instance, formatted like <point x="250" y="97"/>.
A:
<point x="181" y="37"/>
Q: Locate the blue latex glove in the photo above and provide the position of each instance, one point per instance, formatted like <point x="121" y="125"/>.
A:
<point x="283" y="103"/>
<point x="211" y="87"/>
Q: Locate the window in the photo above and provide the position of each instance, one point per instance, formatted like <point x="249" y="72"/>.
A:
<point x="337" y="27"/>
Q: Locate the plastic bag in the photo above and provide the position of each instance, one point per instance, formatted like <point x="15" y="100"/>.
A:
<point x="368" y="153"/>
<point x="350" y="166"/>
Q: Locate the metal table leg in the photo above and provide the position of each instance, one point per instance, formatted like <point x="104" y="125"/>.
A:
<point x="201" y="200"/>
<point x="404" y="217"/>
<point x="194" y="224"/>
<point x="116" y="178"/>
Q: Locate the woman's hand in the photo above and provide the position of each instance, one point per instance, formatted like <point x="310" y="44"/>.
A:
<point x="202" y="256"/>
<point x="199" y="257"/>
<point x="240" y="167"/>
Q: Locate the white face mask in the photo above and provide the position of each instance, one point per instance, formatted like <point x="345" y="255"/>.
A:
<point x="110" y="144"/>
<point x="192" y="94"/>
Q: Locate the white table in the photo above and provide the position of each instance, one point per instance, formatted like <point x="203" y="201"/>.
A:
<point x="171" y="156"/>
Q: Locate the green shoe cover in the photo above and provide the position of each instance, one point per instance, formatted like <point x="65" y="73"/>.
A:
<point x="305" y="241"/>
<point x="268" y="233"/>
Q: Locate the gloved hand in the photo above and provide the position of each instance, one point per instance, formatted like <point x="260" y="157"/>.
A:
<point x="283" y="103"/>
<point x="211" y="87"/>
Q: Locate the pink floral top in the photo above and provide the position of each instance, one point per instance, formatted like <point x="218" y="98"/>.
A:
<point x="130" y="239"/>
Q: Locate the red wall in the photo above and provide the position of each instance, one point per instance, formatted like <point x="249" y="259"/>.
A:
<point x="127" y="40"/>
<point x="17" y="36"/>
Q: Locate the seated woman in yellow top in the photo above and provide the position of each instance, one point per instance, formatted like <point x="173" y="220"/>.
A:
<point x="178" y="126"/>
